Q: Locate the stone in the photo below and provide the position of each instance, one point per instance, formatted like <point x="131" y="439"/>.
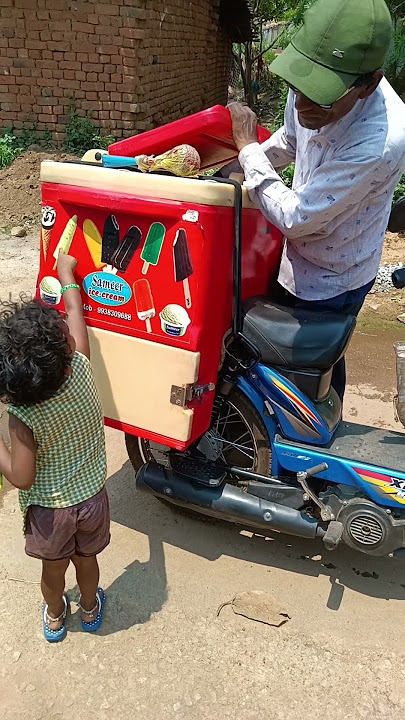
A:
<point x="18" y="231"/>
<point x="401" y="318"/>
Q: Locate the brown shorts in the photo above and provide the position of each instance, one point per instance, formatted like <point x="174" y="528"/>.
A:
<point x="60" y="533"/>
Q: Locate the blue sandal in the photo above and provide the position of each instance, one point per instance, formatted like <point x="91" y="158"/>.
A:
<point x="94" y="625"/>
<point x="54" y="636"/>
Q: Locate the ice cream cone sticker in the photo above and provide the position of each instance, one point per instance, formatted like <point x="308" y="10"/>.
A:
<point x="183" y="267"/>
<point x="48" y="221"/>
<point x="65" y="239"/>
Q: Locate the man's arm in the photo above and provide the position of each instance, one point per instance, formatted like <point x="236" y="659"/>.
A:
<point x="73" y="304"/>
<point x="19" y="465"/>
<point x="333" y="189"/>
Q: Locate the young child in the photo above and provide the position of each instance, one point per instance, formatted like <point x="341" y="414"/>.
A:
<point x="57" y="458"/>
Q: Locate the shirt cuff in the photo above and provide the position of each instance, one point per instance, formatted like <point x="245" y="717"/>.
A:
<point x="256" y="165"/>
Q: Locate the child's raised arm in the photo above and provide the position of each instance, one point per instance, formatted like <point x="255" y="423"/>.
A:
<point x="73" y="303"/>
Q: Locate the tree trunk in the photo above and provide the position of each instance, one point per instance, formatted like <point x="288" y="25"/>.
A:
<point x="248" y="71"/>
<point x="242" y="72"/>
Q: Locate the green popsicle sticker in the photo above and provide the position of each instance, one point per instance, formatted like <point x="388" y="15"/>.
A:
<point x="153" y="246"/>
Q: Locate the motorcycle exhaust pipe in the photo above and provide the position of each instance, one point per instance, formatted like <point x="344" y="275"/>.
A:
<point x="225" y="502"/>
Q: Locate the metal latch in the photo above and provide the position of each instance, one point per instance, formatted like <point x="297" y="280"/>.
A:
<point x="180" y="396"/>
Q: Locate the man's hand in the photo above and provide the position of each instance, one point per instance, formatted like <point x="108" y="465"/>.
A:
<point x="244" y="125"/>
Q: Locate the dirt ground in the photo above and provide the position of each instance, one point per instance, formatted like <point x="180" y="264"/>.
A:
<point x="162" y="652"/>
<point x="20" y="190"/>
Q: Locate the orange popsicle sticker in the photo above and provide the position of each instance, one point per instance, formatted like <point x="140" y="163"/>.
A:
<point x="144" y="302"/>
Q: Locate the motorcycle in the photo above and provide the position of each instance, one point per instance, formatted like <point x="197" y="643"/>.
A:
<point x="278" y="456"/>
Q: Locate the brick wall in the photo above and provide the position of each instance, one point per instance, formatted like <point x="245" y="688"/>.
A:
<point x="134" y="63"/>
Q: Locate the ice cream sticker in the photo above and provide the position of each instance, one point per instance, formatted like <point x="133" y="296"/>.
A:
<point x="50" y="290"/>
<point x="66" y="239"/>
<point x="126" y="250"/>
<point x="144" y="302"/>
<point x="110" y="241"/>
<point x="153" y="246"/>
<point x="48" y="221"/>
<point x="183" y="267"/>
<point x="94" y="242"/>
<point x="174" y="320"/>
<point x="107" y="289"/>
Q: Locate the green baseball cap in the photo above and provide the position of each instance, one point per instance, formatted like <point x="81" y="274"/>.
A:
<point x="339" y="41"/>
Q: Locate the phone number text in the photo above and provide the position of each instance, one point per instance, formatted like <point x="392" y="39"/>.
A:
<point x="108" y="311"/>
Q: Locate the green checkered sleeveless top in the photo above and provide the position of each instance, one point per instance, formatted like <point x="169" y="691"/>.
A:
<point x="69" y="434"/>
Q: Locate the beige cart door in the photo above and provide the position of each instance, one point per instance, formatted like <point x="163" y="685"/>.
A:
<point x="134" y="378"/>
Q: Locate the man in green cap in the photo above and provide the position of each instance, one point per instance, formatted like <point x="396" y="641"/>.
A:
<point x="344" y="128"/>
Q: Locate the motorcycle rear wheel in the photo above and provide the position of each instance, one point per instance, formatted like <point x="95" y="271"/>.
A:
<point x="238" y="438"/>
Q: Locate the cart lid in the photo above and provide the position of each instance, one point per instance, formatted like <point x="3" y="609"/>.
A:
<point x="137" y="185"/>
<point x="209" y="131"/>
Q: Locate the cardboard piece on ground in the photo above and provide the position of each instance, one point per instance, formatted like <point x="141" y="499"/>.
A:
<point x="258" y="605"/>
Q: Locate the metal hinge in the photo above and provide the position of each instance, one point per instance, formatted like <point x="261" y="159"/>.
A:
<point x="180" y="396"/>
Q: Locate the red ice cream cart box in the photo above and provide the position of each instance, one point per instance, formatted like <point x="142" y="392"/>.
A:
<point x="155" y="266"/>
<point x="209" y="132"/>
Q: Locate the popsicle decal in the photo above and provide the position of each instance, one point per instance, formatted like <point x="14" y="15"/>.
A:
<point x="126" y="250"/>
<point x="47" y="223"/>
<point x="94" y="242"/>
<point x="110" y="241"/>
<point x="153" y="246"/>
<point x="183" y="267"/>
<point x="174" y="320"/>
<point x="65" y="239"/>
<point x="144" y="302"/>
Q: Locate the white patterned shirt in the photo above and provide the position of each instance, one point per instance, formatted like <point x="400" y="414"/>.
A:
<point x="334" y="218"/>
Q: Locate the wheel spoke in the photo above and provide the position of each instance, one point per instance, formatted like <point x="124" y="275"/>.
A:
<point x="225" y="420"/>
<point x="230" y="440"/>
<point x="240" y="448"/>
<point x="241" y="436"/>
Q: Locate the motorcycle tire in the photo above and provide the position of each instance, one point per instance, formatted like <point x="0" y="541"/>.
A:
<point x="139" y="452"/>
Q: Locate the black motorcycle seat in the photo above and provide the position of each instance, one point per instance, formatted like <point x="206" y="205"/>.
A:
<point x="294" y="338"/>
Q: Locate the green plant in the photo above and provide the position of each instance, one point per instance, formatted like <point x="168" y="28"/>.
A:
<point x="400" y="189"/>
<point x="278" y="120"/>
<point x="103" y="142"/>
<point x="9" y="149"/>
<point x="47" y="138"/>
<point x="287" y="175"/>
<point x="270" y="84"/>
<point x="81" y="134"/>
<point x="29" y="135"/>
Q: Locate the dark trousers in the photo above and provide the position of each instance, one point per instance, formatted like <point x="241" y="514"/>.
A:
<point x="348" y="303"/>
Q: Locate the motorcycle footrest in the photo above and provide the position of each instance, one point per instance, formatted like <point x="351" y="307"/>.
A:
<point x="203" y="472"/>
<point x="333" y="535"/>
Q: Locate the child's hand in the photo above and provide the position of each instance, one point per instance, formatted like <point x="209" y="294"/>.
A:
<point x="66" y="263"/>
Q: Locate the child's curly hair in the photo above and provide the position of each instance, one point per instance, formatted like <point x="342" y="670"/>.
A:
<point x="34" y="352"/>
